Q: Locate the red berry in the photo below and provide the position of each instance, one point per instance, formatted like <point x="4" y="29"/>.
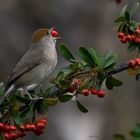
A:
<point x="40" y="125"/>
<point x="85" y="92"/>
<point x="132" y="63"/>
<point x="54" y="33"/>
<point x="137" y="40"/>
<point x="42" y="121"/>
<point x="93" y="91"/>
<point x="138" y="61"/>
<point x="28" y="127"/>
<point x="7" y="127"/>
<point x="32" y="127"/>
<point x="1" y="126"/>
<point x="101" y="93"/>
<point x="137" y="31"/>
<point x="7" y="136"/>
<point x="129" y="38"/>
<point x="13" y="136"/>
<point x="71" y="89"/>
<point x="38" y="132"/>
<point x="123" y="40"/>
<point x="133" y="38"/>
<point x="12" y="128"/>
<point x="22" y="127"/>
<point x="21" y="134"/>
<point x="77" y="82"/>
<point x="121" y="35"/>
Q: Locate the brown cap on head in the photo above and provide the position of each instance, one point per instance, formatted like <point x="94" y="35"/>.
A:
<point x="38" y="34"/>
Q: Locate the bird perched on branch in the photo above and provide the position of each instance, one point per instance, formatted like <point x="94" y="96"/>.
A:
<point x="36" y="64"/>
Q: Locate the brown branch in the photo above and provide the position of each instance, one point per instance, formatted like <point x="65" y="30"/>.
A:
<point x="118" y="69"/>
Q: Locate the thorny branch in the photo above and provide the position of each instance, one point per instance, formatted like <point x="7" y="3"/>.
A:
<point x="116" y="70"/>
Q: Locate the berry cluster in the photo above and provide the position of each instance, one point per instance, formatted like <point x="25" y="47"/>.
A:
<point x="134" y="62"/>
<point x="12" y="132"/>
<point x="74" y="86"/>
<point x="134" y="37"/>
<point x="93" y="91"/>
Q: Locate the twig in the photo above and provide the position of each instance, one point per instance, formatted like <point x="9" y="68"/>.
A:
<point x="118" y="69"/>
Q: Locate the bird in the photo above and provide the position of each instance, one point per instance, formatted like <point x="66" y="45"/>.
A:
<point x="36" y="64"/>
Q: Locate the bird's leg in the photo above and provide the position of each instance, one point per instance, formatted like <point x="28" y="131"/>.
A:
<point x="31" y="98"/>
<point x="27" y="93"/>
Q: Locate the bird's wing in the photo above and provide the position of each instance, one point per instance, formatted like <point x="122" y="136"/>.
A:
<point x="27" y="63"/>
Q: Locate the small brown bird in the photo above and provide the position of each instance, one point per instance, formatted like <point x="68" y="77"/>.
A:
<point x="36" y="64"/>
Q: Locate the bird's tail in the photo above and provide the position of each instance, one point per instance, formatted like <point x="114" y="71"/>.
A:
<point x="7" y="93"/>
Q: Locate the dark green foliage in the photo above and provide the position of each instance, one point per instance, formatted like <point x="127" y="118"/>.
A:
<point x="112" y="82"/>
<point x="81" y="107"/>
<point x="132" y="47"/>
<point x="86" y="56"/>
<point x="66" y="53"/>
<point x="119" y="137"/>
<point x="124" y="21"/>
<point x="65" y="97"/>
<point x="109" y="61"/>
<point x="137" y="76"/>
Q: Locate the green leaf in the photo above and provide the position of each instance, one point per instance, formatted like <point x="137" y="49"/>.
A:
<point x="118" y="137"/>
<point x="116" y="82"/>
<point x="133" y="25"/>
<point x="65" y="83"/>
<point x="132" y="46"/>
<point x="135" y="133"/>
<point x="138" y="125"/>
<point x="95" y="57"/>
<point x="17" y="119"/>
<point x="122" y="26"/>
<point x="85" y="55"/>
<point x="51" y="101"/>
<point x="26" y="111"/>
<point x="70" y="69"/>
<point x="134" y="8"/>
<point x="60" y="76"/>
<point x="66" y="53"/>
<point x="21" y="99"/>
<point x="81" y="107"/>
<point x="137" y="76"/>
<point x="127" y="16"/>
<point x="121" y="19"/>
<point x="111" y="82"/>
<point x="124" y="10"/>
<point x="65" y="97"/>
<point x="109" y="60"/>
<point x="108" y="84"/>
<point x="44" y="107"/>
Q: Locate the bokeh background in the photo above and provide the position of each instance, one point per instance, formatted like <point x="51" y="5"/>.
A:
<point x="87" y="23"/>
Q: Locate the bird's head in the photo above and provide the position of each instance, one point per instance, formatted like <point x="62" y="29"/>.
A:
<point x="44" y="33"/>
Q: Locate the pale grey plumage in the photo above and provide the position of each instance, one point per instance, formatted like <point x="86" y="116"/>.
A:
<point x="37" y="63"/>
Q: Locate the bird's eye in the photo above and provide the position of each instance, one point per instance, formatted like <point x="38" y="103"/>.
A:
<point x="54" y="33"/>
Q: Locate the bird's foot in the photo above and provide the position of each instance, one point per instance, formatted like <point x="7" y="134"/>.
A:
<point x="36" y="99"/>
<point x="31" y="98"/>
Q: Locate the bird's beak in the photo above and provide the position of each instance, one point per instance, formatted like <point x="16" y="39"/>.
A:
<point x="58" y="38"/>
<point x="51" y="29"/>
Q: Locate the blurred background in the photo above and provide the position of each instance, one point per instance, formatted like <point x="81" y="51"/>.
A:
<point x="87" y="23"/>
